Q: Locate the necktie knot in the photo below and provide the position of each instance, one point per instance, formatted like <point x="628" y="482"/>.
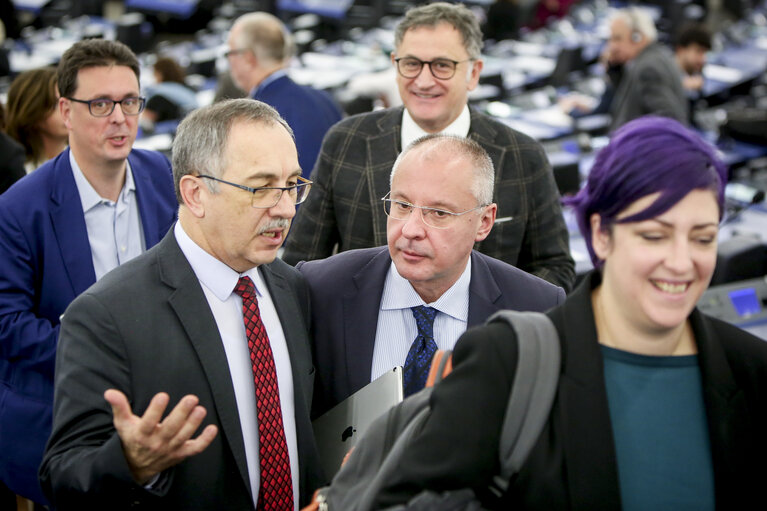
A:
<point x="424" y="320"/>
<point x="245" y="288"/>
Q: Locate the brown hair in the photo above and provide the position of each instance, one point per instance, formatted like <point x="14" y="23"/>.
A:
<point x="92" y="53"/>
<point x="31" y="99"/>
<point x="170" y="70"/>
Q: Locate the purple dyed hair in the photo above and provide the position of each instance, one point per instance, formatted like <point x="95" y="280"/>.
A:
<point x="646" y="156"/>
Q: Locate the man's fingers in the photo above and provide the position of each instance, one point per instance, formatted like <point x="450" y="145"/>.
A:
<point x="120" y="407"/>
<point x="153" y="413"/>
<point x="199" y="444"/>
<point x="172" y="424"/>
<point x="189" y="426"/>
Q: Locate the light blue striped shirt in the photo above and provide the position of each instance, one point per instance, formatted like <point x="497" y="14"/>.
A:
<point x="397" y="329"/>
<point x="114" y="228"/>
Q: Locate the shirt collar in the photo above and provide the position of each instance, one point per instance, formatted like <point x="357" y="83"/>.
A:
<point x="212" y="273"/>
<point x="412" y="131"/>
<point x="398" y="293"/>
<point x="89" y="197"/>
<point x="266" y="81"/>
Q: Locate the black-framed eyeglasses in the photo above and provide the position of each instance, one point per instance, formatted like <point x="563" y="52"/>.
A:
<point x="441" y="69"/>
<point x="433" y="217"/>
<point x="103" y="107"/>
<point x="235" y="51"/>
<point x="266" y="197"/>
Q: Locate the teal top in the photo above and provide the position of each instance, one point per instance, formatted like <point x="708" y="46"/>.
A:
<point x="661" y="435"/>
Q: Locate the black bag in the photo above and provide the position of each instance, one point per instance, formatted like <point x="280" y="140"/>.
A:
<point x="378" y="453"/>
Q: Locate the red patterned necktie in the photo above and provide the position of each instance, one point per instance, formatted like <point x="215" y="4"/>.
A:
<point x="276" y="486"/>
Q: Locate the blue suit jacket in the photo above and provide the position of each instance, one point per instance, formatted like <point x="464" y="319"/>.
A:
<point x="309" y="112"/>
<point x="346" y="291"/>
<point x="46" y="262"/>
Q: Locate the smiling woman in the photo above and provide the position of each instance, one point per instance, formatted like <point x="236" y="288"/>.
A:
<point x="657" y="406"/>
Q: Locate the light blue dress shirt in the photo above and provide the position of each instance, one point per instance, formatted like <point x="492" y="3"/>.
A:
<point x="397" y="328"/>
<point x="114" y="227"/>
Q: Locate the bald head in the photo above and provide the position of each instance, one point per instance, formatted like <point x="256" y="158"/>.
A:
<point x="431" y="147"/>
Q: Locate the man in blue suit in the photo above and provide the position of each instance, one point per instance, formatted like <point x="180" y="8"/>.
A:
<point x="64" y="226"/>
<point x="259" y="50"/>
<point x="369" y="305"/>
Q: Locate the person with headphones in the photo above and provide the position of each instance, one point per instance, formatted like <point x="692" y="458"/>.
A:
<point x="651" y="81"/>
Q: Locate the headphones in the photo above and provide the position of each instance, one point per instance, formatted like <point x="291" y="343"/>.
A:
<point x="636" y="35"/>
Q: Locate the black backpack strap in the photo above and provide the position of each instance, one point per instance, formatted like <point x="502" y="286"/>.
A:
<point x="532" y="392"/>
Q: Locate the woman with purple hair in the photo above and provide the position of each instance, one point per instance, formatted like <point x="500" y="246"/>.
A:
<point x="658" y="406"/>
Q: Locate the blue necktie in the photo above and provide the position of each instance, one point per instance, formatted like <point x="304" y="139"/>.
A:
<point x="421" y="351"/>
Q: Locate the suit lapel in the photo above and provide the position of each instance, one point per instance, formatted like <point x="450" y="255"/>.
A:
<point x="293" y="326"/>
<point x="581" y="407"/>
<point x="145" y="195"/>
<point x="483" y="292"/>
<point x="382" y="150"/>
<point x="191" y="307"/>
<point x="68" y="221"/>
<point x="360" y="316"/>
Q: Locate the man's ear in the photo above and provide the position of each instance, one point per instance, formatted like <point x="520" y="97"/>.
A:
<point x="193" y="194"/>
<point x="65" y="109"/>
<point x="473" y="78"/>
<point x="486" y="222"/>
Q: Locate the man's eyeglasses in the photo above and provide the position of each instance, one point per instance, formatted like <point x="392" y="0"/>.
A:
<point x="266" y="197"/>
<point x="104" y="107"/>
<point x="236" y="51"/>
<point x="433" y="217"/>
<point x="442" y="69"/>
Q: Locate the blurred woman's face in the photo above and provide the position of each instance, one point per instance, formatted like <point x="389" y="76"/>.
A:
<point x="657" y="269"/>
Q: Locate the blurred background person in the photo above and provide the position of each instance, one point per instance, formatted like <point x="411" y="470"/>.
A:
<point x="169" y="98"/>
<point x="693" y="42"/>
<point x="33" y="117"/>
<point x="12" y="162"/>
<point x="658" y="406"/>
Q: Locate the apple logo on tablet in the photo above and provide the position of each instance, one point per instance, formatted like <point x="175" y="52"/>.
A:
<point x="347" y="434"/>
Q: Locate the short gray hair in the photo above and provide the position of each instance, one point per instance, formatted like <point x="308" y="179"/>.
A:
<point x="201" y="138"/>
<point x="638" y="20"/>
<point x="265" y="35"/>
<point x="482" y="185"/>
<point x="431" y="15"/>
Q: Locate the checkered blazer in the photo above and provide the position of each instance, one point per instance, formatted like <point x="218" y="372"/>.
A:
<point x="352" y="175"/>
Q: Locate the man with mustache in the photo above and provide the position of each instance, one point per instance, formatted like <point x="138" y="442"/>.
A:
<point x="205" y="328"/>
<point x="377" y="308"/>
<point x="64" y="226"/>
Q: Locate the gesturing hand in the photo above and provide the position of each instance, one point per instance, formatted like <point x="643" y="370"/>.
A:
<point x="151" y="446"/>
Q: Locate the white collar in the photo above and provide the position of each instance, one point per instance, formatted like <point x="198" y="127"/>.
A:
<point x="211" y="272"/>
<point x="412" y="131"/>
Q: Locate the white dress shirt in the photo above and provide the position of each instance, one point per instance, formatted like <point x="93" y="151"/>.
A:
<point x="218" y="282"/>
<point x="412" y="131"/>
<point x="114" y="228"/>
<point x="397" y="328"/>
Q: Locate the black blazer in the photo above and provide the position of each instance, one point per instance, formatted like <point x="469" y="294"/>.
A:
<point x="573" y="465"/>
<point x="346" y="294"/>
<point x="146" y="327"/>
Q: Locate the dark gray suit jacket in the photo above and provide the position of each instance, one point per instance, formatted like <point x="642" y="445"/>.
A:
<point x="346" y="294"/>
<point x="352" y="175"/>
<point x="146" y="327"/>
<point x="651" y="84"/>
